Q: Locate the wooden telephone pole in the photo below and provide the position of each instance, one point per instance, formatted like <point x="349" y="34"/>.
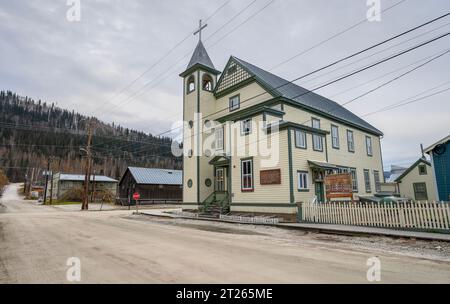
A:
<point x="49" y="160"/>
<point x="87" y="178"/>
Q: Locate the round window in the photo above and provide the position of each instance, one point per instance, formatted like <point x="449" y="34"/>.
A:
<point x="190" y="183"/>
<point x="208" y="153"/>
<point x="208" y="182"/>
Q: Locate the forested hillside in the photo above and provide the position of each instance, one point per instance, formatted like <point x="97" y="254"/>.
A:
<point x="32" y="132"/>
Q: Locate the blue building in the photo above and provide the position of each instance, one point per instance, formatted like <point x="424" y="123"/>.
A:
<point x="440" y="161"/>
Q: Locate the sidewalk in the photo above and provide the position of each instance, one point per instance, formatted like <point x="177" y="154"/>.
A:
<point x="343" y="229"/>
<point x="329" y="228"/>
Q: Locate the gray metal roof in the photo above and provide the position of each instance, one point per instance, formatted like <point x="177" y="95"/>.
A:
<point x="80" y="177"/>
<point x="151" y="176"/>
<point x="284" y="88"/>
<point x="200" y="56"/>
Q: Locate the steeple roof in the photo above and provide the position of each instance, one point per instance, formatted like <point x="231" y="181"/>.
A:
<point x="200" y="58"/>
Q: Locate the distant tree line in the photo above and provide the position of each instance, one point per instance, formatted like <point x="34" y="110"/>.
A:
<point x="32" y="132"/>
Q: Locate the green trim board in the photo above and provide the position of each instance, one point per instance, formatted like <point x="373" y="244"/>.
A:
<point x="198" y="141"/>
<point x="292" y="125"/>
<point x="253" y="78"/>
<point x="326" y="115"/>
<point x="233" y="88"/>
<point x="201" y="67"/>
<point x="220" y="160"/>
<point x="251" y="112"/>
<point x="291" y="173"/>
<point x="282" y="205"/>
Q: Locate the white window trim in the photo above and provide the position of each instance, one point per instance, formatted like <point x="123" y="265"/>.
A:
<point x="297" y="142"/>
<point x="301" y="174"/>
<point x="367" y="182"/>
<point x="354" y="180"/>
<point x="352" y="141"/>
<point x="369" y="146"/>
<point x="234" y="107"/>
<point x="250" y="174"/>
<point x="219" y="139"/>
<point x="333" y="137"/>
<point x="250" y="126"/>
<point x="319" y="140"/>
<point x="377" y="184"/>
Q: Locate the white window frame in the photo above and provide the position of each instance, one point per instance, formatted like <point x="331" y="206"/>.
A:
<point x="248" y="174"/>
<point x="317" y="143"/>
<point x="235" y="105"/>
<point x="300" y="135"/>
<point x="376" y="178"/>
<point x="335" y="137"/>
<point x="350" y="141"/>
<point x="246" y="126"/>
<point x="302" y="180"/>
<point x="219" y="134"/>
<point x="369" y="147"/>
<point x="367" y="183"/>
<point x="354" y="174"/>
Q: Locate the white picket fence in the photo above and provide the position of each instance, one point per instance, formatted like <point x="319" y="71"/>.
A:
<point x="419" y="215"/>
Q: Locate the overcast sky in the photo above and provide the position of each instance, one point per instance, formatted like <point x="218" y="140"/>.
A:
<point x="85" y="65"/>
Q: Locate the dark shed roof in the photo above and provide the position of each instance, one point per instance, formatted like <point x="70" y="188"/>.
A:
<point x="152" y="176"/>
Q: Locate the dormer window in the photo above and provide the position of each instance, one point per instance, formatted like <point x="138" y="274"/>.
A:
<point x="207" y="83"/>
<point x="190" y="84"/>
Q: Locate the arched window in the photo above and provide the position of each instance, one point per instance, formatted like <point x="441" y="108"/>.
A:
<point x="191" y="84"/>
<point x="207" y="83"/>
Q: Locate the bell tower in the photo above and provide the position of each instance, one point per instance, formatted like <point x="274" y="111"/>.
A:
<point x="199" y="80"/>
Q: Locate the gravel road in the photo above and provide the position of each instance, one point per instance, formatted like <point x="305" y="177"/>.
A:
<point x="118" y="247"/>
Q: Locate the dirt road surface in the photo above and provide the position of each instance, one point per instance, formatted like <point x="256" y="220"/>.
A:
<point x="118" y="247"/>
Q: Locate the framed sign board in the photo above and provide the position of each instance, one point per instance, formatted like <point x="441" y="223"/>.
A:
<point x="270" y="177"/>
<point x="339" y="186"/>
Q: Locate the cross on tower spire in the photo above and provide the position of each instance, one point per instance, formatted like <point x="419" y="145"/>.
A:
<point x="199" y="31"/>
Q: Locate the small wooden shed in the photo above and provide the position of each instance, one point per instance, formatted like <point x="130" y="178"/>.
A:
<point x="153" y="185"/>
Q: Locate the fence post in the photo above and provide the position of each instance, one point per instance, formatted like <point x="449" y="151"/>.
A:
<point x="299" y="212"/>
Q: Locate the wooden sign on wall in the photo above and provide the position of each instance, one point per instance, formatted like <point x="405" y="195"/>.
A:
<point x="270" y="177"/>
<point x="339" y="186"/>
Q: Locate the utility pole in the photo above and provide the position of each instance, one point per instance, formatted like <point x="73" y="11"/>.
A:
<point x="93" y="187"/>
<point x="87" y="179"/>
<point x="31" y="182"/>
<point x="51" y="190"/>
<point x="49" y="160"/>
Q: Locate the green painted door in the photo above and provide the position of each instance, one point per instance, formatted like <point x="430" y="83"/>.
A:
<point x="319" y="192"/>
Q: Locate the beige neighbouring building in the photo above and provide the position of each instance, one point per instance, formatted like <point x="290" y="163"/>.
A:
<point x="417" y="182"/>
<point x="262" y="144"/>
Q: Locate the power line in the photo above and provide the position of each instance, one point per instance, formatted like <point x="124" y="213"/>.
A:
<point x="333" y="36"/>
<point x="395" y="78"/>
<point x="328" y="39"/>
<point x="166" y="73"/>
<point x="342" y="77"/>
<point x="158" y="61"/>
<point x="402" y="103"/>
<point x="382" y="76"/>
<point x="350" y="74"/>
<point x="332" y="64"/>
<point x="376" y="53"/>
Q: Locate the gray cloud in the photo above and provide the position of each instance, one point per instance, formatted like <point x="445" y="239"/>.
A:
<point x="82" y="65"/>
